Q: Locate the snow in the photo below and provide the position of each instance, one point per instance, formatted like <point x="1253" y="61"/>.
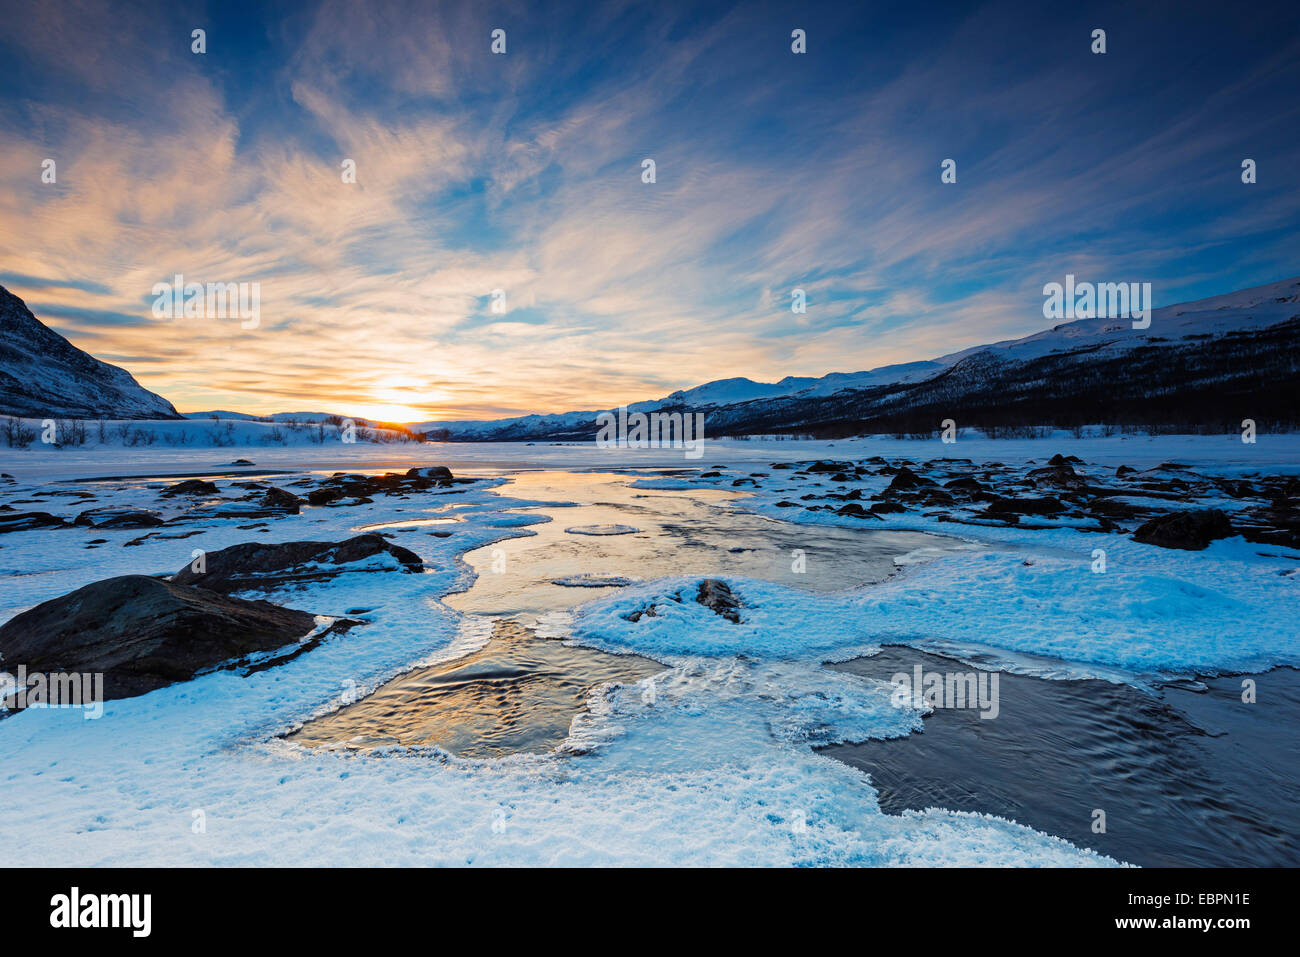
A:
<point x="708" y="764"/>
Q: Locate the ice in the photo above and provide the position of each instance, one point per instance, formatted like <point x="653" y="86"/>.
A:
<point x="711" y="763"/>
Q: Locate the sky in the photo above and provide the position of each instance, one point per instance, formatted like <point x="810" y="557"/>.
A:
<point x="523" y="172"/>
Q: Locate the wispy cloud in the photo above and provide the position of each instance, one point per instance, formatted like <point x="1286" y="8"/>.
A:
<point x="522" y="173"/>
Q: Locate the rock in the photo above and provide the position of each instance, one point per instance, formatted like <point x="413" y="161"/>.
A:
<point x="966" y="485"/>
<point x="241" y="462"/>
<point x="119" y="517"/>
<point x="718" y="597"/>
<point x="828" y="466"/>
<point x="906" y="480"/>
<point x="279" y="499"/>
<point x="1112" y="509"/>
<point x="242" y="510"/>
<point x="25" y="521"/>
<point x="1057" y="476"/>
<point x="1124" y="470"/>
<point x="260" y="565"/>
<point x="1192" y="530"/>
<point x="1025" y="506"/>
<point x="884" y="508"/>
<point x="192" y="487"/>
<point x="437" y="472"/>
<point x="324" y="495"/>
<point x="935" y="497"/>
<point x="856" y="510"/>
<point x="142" y="633"/>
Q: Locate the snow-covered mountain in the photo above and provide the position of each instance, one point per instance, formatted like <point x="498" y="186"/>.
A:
<point x="275" y="417"/>
<point x="1246" y="341"/>
<point x="43" y="374"/>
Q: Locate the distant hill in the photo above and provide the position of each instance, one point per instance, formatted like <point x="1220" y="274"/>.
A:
<point x="43" y="374"/>
<point x="1208" y="363"/>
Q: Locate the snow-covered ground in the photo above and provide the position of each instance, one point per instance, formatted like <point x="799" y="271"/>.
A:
<point x="1216" y="454"/>
<point x="715" y="769"/>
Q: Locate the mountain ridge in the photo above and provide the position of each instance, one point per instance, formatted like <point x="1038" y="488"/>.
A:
<point x="42" y="375"/>
<point x="1248" y="311"/>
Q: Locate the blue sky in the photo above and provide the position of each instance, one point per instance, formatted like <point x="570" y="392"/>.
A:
<point x="522" y="172"/>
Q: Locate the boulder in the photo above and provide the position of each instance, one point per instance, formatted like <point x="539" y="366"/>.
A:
<point x="1192" y="530"/>
<point x="281" y="501"/>
<point x="324" y="495"/>
<point x="25" y="521"/>
<point x="261" y="565"/>
<point x="123" y="517"/>
<point x="192" y="487"/>
<point x="1025" y="506"/>
<point x="966" y="485"/>
<point x="905" y="480"/>
<point x="142" y="633"/>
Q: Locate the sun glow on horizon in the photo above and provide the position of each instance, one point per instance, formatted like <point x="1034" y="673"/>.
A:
<point x="390" y="402"/>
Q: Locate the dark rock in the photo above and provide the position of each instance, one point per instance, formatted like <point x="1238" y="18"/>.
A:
<point x="884" y="508"/>
<point x="439" y="473"/>
<point x="718" y="597"/>
<point x="1113" y="509"/>
<point x="906" y="480"/>
<point x="279" y="499"/>
<point x="830" y="467"/>
<point x="1192" y="530"/>
<point x="1025" y="506"/>
<point x="192" y="487"/>
<point x="1124" y="470"/>
<point x="24" y="521"/>
<point x="936" y="497"/>
<point x="142" y="633"/>
<point x="967" y="485"/>
<point x="853" y="508"/>
<point x="259" y="565"/>
<point x="113" y="517"/>
<point x="325" y="495"/>
<point x="1057" y="476"/>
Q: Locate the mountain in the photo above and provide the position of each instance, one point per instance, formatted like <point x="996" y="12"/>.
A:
<point x="275" y="417"/>
<point x="1201" y="364"/>
<point x="43" y="374"/>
